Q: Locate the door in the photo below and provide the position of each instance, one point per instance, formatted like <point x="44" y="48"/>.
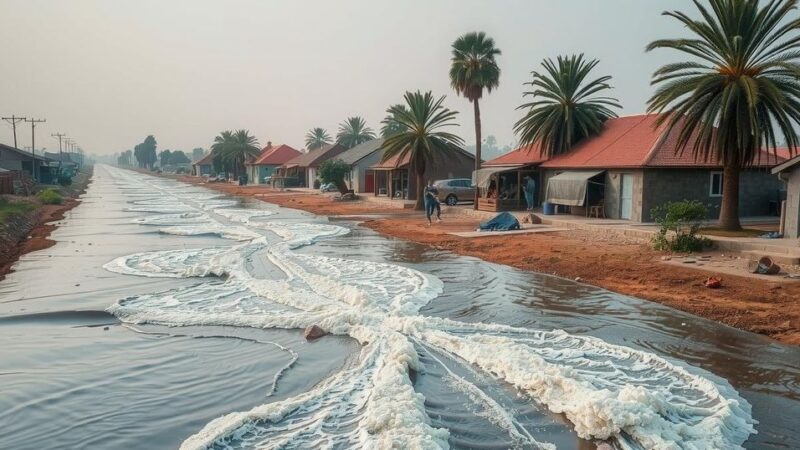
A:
<point x="626" y="197"/>
<point x="369" y="181"/>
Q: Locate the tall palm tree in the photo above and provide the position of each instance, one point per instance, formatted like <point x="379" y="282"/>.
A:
<point x="565" y="107"/>
<point x="474" y="68"/>
<point x="316" y="138"/>
<point x="391" y="125"/>
<point x="354" y="131"/>
<point x="738" y="89"/>
<point x="423" y="139"/>
<point x="232" y="148"/>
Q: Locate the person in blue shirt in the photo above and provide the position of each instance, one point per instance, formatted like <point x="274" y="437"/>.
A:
<point x="432" y="202"/>
<point x="530" y="192"/>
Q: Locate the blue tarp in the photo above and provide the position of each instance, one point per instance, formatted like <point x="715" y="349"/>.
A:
<point x="501" y="222"/>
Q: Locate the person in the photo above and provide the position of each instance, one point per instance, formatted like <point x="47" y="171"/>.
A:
<point x="432" y="202"/>
<point x="530" y="192"/>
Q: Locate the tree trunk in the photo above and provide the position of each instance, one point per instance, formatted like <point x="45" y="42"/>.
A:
<point x="477" y="145"/>
<point x="729" y="212"/>
<point x="419" y="205"/>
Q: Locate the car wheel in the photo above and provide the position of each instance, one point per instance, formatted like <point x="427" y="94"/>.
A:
<point x="451" y="200"/>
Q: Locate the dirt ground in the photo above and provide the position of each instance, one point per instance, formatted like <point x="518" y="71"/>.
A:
<point x="771" y="308"/>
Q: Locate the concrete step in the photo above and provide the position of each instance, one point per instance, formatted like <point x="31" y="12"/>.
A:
<point x="779" y="258"/>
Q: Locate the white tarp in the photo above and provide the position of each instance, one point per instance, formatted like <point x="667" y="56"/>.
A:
<point x="483" y="177"/>
<point x="569" y="188"/>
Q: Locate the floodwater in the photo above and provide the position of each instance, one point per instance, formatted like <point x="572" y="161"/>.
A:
<point x="169" y="316"/>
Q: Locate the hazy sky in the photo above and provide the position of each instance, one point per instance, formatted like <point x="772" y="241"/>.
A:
<point x="110" y="72"/>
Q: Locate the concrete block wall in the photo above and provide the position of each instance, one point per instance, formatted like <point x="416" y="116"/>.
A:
<point x="792" y="225"/>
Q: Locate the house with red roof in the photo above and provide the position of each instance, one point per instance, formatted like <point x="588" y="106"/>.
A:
<point x="261" y="168"/>
<point x="633" y="166"/>
<point x="500" y="180"/>
<point x="302" y="170"/>
<point x="394" y="178"/>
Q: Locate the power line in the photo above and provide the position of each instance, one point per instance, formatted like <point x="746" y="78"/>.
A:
<point x="33" y="123"/>
<point x="60" y="151"/>
<point x="13" y="120"/>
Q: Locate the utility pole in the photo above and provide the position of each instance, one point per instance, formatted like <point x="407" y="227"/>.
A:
<point x="60" y="151"/>
<point x="33" y="123"/>
<point x="13" y="120"/>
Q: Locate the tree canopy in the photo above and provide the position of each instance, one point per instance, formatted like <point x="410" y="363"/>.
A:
<point x="334" y="171"/>
<point x="354" y="131"/>
<point x="317" y="138"/>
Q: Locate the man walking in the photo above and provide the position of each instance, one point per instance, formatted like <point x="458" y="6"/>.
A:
<point x="432" y="202"/>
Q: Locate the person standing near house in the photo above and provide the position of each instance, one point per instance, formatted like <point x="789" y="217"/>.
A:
<point x="432" y="202"/>
<point x="530" y="192"/>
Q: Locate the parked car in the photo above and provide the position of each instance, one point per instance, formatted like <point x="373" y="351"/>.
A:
<point x="328" y="187"/>
<point x="455" y="190"/>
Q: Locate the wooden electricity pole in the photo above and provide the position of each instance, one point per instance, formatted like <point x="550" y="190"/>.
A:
<point x="13" y="120"/>
<point x="33" y="123"/>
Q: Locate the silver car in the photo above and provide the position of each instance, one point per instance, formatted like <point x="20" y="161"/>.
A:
<point x="455" y="190"/>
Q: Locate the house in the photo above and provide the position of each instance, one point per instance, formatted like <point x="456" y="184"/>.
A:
<point x="633" y="166"/>
<point x="500" y="180"/>
<point x="302" y="169"/>
<point x="204" y="166"/>
<point x="263" y="167"/>
<point x="789" y="172"/>
<point x="361" y="158"/>
<point x="35" y="165"/>
<point x="395" y="179"/>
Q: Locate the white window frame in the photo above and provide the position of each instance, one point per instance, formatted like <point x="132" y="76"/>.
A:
<point x="711" y="184"/>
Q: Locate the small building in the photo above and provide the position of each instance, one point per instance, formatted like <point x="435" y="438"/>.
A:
<point x="500" y="181"/>
<point x="395" y="179"/>
<point x="204" y="166"/>
<point x="789" y="173"/>
<point x="261" y="168"/>
<point x="633" y="166"/>
<point x="301" y="170"/>
<point x="22" y="161"/>
<point x="361" y="158"/>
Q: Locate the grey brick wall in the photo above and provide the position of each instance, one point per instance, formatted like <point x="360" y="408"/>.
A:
<point x="757" y="188"/>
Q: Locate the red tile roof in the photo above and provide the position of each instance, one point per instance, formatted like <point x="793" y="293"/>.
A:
<point x="275" y="155"/>
<point x="522" y="156"/>
<point x="635" y="142"/>
<point x="395" y="162"/>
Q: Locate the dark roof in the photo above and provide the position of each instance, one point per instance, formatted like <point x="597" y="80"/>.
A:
<point x="395" y="162"/>
<point x="275" y="155"/>
<point x="205" y="160"/>
<point x="315" y="157"/>
<point x="360" y="151"/>
<point x="27" y="154"/>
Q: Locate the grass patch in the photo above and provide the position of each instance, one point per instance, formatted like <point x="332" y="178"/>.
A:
<point x="50" y="197"/>
<point x="745" y="233"/>
<point x="10" y="209"/>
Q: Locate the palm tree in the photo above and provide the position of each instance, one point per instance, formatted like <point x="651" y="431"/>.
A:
<point x="316" y="138"/>
<point x="391" y="125"/>
<point x="738" y="89"/>
<point x="473" y="69"/>
<point x="232" y="148"/>
<point x="354" y="131"/>
<point x="422" y="140"/>
<point x="565" y="107"/>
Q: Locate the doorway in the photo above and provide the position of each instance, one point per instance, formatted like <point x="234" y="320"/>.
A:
<point x="626" y="196"/>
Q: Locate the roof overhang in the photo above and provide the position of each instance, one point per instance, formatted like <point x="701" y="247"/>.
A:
<point x="786" y="165"/>
<point x="483" y="177"/>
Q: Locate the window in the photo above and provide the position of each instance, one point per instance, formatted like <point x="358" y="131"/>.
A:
<point x="716" y="185"/>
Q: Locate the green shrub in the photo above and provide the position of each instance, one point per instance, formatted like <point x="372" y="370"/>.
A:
<point x="64" y="179"/>
<point x="9" y="209"/>
<point x="50" y="197"/>
<point x="334" y="171"/>
<point x="679" y="223"/>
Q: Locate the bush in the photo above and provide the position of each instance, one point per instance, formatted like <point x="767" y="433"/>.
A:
<point x="50" y="197"/>
<point x="334" y="171"/>
<point x="64" y="179"/>
<point x="679" y="223"/>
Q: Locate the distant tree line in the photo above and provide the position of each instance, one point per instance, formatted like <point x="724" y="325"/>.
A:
<point x="172" y="158"/>
<point x="145" y="153"/>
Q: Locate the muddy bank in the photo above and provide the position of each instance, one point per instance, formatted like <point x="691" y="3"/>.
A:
<point x="627" y="267"/>
<point x="28" y="232"/>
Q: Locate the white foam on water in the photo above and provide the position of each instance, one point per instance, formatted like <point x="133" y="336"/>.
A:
<point x="605" y="390"/>
<point x="242" y="215"/>
<point x="187" y="218"/>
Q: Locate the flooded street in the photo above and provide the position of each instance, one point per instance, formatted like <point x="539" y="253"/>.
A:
<point x="171" y="316"/>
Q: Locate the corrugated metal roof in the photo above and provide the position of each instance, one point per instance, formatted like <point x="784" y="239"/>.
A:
<point x="360" y="151"/>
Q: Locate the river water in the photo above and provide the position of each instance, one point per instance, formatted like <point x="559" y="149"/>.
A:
<point x="169" y="316"/>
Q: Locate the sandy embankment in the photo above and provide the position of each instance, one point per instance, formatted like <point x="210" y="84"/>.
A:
<point x="768" y="308"/>
<point x="31" y="232"/>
